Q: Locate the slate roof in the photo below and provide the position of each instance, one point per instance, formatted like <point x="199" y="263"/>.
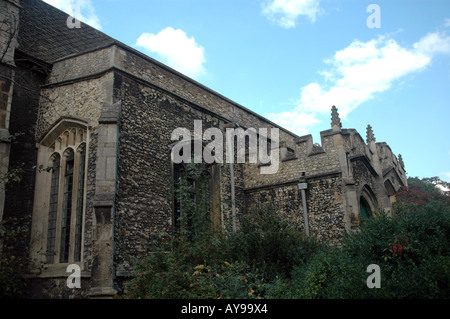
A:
<point x="44" y="34"/>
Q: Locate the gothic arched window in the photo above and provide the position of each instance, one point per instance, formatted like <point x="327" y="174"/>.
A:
<point x="364" y="208"/>
<point x="191" y="196"/>
<point x="67" y="165"/>
<point x="367" y="203"/>
<point x="196" y="190"/>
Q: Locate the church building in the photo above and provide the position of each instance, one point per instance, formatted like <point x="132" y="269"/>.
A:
<point x="86" y="123"/>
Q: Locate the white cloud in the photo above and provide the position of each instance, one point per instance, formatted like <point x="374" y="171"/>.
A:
<point x="447" y="22"/>
<point x="177" y="49"/>
<point x="433" y="43"/>
<point x="296" y="121"/>
<point x="286" y="12"/>
<point x="82" y="10"/>
<point x="447" y="175"/>
<point x="361" y="70"/>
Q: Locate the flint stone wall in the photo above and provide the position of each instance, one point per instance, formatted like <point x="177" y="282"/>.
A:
<point x="144" y="200"/>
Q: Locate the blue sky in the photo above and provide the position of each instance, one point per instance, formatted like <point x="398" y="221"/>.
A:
<point x="291" y="60"/>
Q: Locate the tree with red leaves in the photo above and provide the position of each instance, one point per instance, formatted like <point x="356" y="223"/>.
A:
<point x="421" y="192"/>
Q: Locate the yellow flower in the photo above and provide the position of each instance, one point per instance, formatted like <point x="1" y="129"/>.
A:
<point x="227" y="263"/>
<point x="199" y="267"/>
<point x="196" y="272"/>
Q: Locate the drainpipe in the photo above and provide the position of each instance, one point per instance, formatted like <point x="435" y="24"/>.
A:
<point x="230" y="145"/>
<point x="233" y="202"/>
<point x="303" y="187"/>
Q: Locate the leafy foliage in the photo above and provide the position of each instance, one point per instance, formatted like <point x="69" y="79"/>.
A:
<point x="270" y="244"/>
<point x="197" y="262"/>
<point x="412" y="250"/>
<point x="12" y="266"/>
<point x="422" y="192"/>
<point x="268" y="258"/>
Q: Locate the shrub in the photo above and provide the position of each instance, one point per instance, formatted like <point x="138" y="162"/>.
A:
<point x="269" y="258"/>
<point x="270" y="244"/>
<point x="329" y="274"/>
<point x="412" y="251"/>
<point x="13" y="265"/>
<point x="183" y="272"/>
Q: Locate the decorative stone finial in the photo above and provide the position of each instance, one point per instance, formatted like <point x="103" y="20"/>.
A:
<point x="335" y="119"/>
<point x="370" y="136"/>
<point x="400" y="160"/>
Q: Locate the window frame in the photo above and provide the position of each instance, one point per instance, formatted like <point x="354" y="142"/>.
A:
<point x="213" y="171"/>
<point x="65" y="136"/>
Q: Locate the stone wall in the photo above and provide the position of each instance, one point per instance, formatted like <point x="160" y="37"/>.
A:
<point x="79" y="66"/>
<point x="326" y="207"/>
<point x="82" y="99"/>
<point x="122" y="58"/>
<point x="286" y="201"/>
<point x="79" y="100"/>
<point x="22" y="124"/>
<point x="172" y="81"/>
<point x="9" y="20"/>
<point x="6" y="88"/>
<point x="22" y="155"/>
<point x="144" y="199"/>
<point x="324" y="200"/>
<point x="9" y="27"/>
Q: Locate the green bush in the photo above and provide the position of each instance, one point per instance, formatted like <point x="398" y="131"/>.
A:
<point x="329" y="274"/>
<point x="419" y="269"/>
<point x="270" y="244"/>
<point x="187" y="270"/>
<point x="239" y="265"/>
<point x="13" y="263"/>
<point x="268" y="258"/>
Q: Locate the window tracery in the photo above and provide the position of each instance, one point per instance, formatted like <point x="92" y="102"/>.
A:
<point x="66" y="196"/>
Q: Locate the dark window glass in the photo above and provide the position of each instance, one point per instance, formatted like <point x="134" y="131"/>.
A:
<point x="53" y="210"/>
<point x="67" y="208"/>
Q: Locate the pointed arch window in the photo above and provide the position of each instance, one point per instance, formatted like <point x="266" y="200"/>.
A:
<point x="196" y="189"/>
<point x="364" y="209"/>
<point x="367" y="203"/>
<point x="191" y="194"/>
<point x="66" y="196"/>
